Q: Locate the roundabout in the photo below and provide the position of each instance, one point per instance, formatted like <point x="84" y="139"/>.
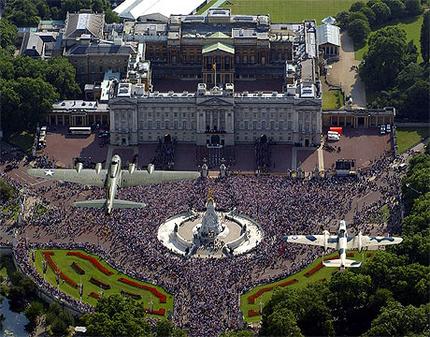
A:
<point x="210" y="233"/>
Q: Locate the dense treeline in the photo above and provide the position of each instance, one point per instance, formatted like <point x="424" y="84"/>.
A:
<point x="364" y="17"/>
<point x="393" y="77"/>
<point x="29" y="86"/>
<point x="28" y="13"/>
<point x="121" y="316"/>
<point x="387" y="296"/>
<point x="390" y="68"/>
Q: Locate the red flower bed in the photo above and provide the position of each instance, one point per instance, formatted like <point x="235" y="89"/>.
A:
<point x="351" y="254"/>
<point x="252" y="298"/>
<point x="94" y="295"/>
<point x="153" y="290"/>
<point x="48" y="257"/>
<point x="100" y="284"/>
<point x="288" y="283"/>
<point x="312" y="271"/>
<point x="93" y="261"/>
<point x="77" y="268"/>
<point x="159" y="312"/>
<point x="253" y="313"/>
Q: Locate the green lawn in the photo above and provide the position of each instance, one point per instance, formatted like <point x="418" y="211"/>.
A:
<point x="412" y="27"/>
<point x="408" y="137"/>
<point x="64" y="263"/>
<point x="290" y="10"/>
<point x="23" y="140"/>
<point x="332" y="99"/>
<point x="321" y="275"/>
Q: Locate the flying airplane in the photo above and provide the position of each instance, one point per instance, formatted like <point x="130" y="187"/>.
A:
<point x="342" y="242"/>
<point x="111" y="179"/>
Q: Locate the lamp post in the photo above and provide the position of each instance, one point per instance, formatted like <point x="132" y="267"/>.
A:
<point x="408" y="185"/>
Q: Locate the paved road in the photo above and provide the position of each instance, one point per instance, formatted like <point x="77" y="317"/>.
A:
<point x="343" y="74"/>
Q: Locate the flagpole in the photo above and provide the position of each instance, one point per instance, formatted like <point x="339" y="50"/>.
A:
<point x="215" y="74"/>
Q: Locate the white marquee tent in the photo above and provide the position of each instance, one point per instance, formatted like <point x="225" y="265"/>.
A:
<point x="133" y="9"/>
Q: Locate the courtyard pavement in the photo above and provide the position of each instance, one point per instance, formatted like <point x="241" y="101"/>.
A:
<point x="343" y="73"/>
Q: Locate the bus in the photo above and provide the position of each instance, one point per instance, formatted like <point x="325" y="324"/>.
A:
<point x="80" y="130"/>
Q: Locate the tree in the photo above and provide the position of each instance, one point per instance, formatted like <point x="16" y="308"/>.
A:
<point x="417" y="101"/>
<point x="397" y="8"/>
<point x="165" y="328"/>
<point x="62" y="75"/>
<point x="358" y="30"/>
<point x="415" y="248"/>
<point x="357" y="6"/>
<point x="281" y="323"/>
<point x="342" y="19"/>
<point x="22" y="13"/>
<point x="408" y="75"/>
<point x="34" y="310"/>
<point x="382" y="12"/>
<point x="413" y="7"/>
<point x="385" y="58"/>
<point x="348" y="301"/>
<point x="8" y="33"/>
<point x="309" y="306"/>
<point x="425" y="37"/>
<point x="370" y="15"/>
<point x="397" y="320"/>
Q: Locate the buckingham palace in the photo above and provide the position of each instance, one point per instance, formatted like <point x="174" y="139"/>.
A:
<point x="218" y="115"/>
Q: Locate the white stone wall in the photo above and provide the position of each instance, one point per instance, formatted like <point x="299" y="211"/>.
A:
<point x="285" y="119"/>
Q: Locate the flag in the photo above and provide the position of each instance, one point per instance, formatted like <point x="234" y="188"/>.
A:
<point x="214" y="67"/>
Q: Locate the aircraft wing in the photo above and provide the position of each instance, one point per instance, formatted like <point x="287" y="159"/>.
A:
<point x="372" y="241"/>
<point x="313" y="240"/>
<point x="83" y="177"/>
<point x="143" y="177"/>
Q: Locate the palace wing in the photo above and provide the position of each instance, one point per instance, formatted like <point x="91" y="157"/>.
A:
<point x="313" y="240"/>
<point x="369" y="241"/>
<point x="83" y="177"/>
<point x="143" y="177"/>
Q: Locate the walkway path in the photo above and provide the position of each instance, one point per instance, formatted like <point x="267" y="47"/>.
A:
<point x="343" y="73"/>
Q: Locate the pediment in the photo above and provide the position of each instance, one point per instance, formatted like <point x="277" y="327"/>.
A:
<point x="122" y="101"/>
<point x="215" y="101"/>
<point x="308" y="102"/>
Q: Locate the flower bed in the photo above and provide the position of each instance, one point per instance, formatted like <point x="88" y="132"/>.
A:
<point x="253" y="313"/>
<point x="159" y="312"/>
<point x="77" y="268"/>
<point x="153" y="290"/>
<point x="94" y="295"/>
<point x="312" y="271"/>
<point x="131" y="295"/>
<point x="100" y="284"/>
<point x="48" y="258"/>
<point x="252" y="298"/>
<point x="288" y="283"/>
<point x="96" y="263"/>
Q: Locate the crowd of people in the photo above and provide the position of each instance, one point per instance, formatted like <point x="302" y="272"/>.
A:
<point x="206" y="291"/>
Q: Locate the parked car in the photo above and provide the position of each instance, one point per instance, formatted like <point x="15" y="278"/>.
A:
<point x="388" y="128"/>
<point x="382" y="129"/>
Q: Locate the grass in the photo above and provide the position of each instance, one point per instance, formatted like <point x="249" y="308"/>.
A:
<point x="332" y="99"/>
<point x="409" y="137"/>
<point x="322" y="275"/>
<point x="64" y="263"/>
<point x="412" y="27"/>
<point x="23" y="140"/>
<point x="40" y="210"/>
<point x="290" y="10"/>
<point x="206" y="7"/>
